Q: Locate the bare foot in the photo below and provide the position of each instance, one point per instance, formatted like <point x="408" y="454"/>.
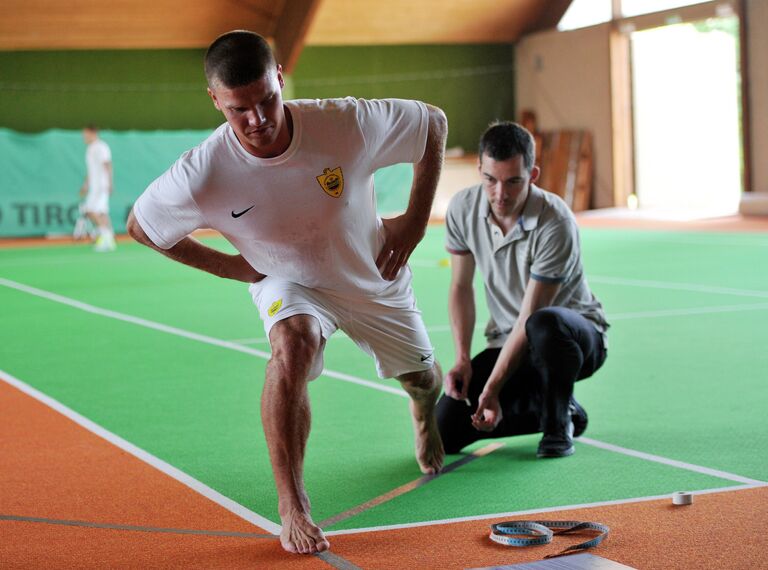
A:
<point x="429" y="446"/>
<point x="424" y="388"/>
<point x="300" y="535"/>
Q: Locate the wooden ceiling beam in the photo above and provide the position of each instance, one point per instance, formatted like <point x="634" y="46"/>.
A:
<point x="551" y="12"/>
<point x="290" y="30"/>
<point x="122" y="24"/>
<point x="290" y="24"/>
<point x="372" y="22"/>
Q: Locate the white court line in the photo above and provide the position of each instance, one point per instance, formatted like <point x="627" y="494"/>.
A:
<point x="611" y="317"/>
<point x="258" y="340"/>
<point x="671" y="462"/>
<point x="156" y="462"/>
<point x="685" y="312"/>
<point x="608" y="280"/>
<point x="652" y="314"/>
<point x="342" y="334"/>
<point x="677" y="286"/>
<point x="677" y="241"/>
<point x="264" y="340"/>
<point x="182" y="333"/>
<point x="341" y="376"/>
<point x="86" y="257"/>
<point x="512" y="514"/>
<point x="427" y="263"/>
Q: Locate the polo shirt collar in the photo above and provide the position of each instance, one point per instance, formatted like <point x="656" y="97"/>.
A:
<point x="485" y="207"/>
<point x="531" y="211"/>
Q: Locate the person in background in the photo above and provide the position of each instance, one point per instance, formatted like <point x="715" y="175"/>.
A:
<point x="97" y="188"/>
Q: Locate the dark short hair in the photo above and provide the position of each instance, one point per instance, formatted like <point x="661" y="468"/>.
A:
<point x="504" y="140"/>
<point x="91" y="127"/>
<point x="238" y="58"/>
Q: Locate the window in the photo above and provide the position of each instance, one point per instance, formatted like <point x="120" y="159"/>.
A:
<point x="583" y="13"/>
<point x="637" y="7"/>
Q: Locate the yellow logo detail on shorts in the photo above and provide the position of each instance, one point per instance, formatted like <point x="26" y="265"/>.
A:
<point x="332" y="181"/>
<point x="275" y="307"/>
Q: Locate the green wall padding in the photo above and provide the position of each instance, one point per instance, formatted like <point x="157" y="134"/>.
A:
<point x="473" y="84"/>
<point x="152" y="105"/>
<point x="165" y="89"/>
<point x="114" y="89"/>
<point x="41" y="175"/>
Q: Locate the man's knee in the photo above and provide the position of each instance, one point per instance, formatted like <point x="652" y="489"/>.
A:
<point x="554" y="348"/>
<point x="454" y="424"/>
<point x="296" y="343"/>
<point x="422" y="379"/>
<point x="546" y="331"/>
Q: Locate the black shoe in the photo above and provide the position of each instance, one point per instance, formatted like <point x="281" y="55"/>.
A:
<point x="557" y="444"/>
<point x="578" y="417"/>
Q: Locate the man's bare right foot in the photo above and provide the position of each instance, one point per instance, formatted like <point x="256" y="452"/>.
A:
<point x="300" y="535"/>
<point x="429" y="446"/>
<point x="424" y="389"/>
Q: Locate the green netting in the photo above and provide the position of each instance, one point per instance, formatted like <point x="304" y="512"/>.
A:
<point x="41" y="175"/>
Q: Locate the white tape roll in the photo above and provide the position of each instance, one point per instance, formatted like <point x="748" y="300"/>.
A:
<point x="682" y="498"/>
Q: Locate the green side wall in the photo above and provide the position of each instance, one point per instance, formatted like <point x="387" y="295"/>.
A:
<point x="473" y="84"/>
<point x="165" y="89"/>
<point x="115" y="89"/>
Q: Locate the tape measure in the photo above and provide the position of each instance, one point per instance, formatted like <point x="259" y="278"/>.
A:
<point x="531" y="533"/>
<point x="682" y="498"/>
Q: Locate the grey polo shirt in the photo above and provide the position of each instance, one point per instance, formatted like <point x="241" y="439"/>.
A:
<point x="543" y="245"/>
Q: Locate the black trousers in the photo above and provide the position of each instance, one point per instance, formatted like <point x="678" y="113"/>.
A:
<point x="563" y="347"/>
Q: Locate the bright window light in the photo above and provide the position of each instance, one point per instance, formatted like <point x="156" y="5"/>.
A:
<point x="636" y="7"/>
<point x="583" y="13"/>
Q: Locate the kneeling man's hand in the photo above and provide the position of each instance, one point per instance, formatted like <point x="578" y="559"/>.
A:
<point x="488" y="414"/>
<point x="456" y="383"/>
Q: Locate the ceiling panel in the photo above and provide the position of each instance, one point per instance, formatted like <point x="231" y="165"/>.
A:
<point x="349" y="22"/>
<point x="155" y="24"/>
<point x="83" y="24"/>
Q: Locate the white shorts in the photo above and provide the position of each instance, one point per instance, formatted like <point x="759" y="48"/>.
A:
<point x="388" y="327"/>
<point x="97" y="201"/>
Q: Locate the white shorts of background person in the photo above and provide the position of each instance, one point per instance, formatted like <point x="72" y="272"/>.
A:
<point x="96" y="206"/>
<point x="97" y="201"/>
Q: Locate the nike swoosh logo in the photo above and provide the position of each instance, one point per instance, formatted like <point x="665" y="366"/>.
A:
<point x="427" y="357"/>
<point x="238" y="214"/>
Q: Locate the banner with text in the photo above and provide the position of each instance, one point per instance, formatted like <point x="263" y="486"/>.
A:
<point x="41" y="175"/>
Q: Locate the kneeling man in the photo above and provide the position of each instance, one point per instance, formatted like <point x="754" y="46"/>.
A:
<point x="547" y="330"/>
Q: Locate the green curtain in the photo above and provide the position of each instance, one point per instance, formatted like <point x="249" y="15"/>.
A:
<point x="41" y="175"/>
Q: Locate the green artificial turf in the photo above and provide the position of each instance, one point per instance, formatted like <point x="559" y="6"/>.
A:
<point x="688" y="387"/>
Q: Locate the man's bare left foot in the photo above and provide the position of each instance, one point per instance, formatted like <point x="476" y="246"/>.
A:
<point x="300" y="535"/>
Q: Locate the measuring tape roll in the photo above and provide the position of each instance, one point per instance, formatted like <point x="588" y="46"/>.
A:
<point x="532" y="533"/>
<point x="682" y="498"/>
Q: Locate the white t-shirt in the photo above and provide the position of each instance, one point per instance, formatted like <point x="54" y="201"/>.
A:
<point x="96" y="155"/>
<point x="308" y="215"/>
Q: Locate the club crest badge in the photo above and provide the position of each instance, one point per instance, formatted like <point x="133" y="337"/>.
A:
<point x="332" y="181"/>
<point x="275" y="307"/>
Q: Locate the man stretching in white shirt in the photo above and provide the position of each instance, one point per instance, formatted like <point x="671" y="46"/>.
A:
<point x="290" y="185"/>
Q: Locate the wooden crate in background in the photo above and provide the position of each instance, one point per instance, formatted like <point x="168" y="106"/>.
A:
<point x="566" y="161"/>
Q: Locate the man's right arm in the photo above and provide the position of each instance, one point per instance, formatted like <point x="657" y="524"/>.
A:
<point x="461" y="308"/>
<point x="191" y="252"/>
